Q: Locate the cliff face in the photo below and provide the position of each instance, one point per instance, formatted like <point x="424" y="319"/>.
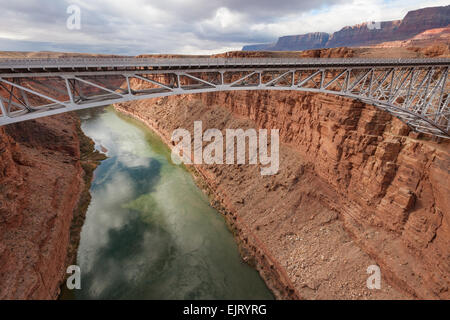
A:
<point x="412" y="24"/>
<point x="41" y="183"/>
<point x="294" y="239"/>
<point x="258" y="47"/>
<point x="312" y="40"/>
<point x="420" y="20"/>
<point x="431" y="43"/>
<point x="361" y="35"/>
<point x="390" y="189"/>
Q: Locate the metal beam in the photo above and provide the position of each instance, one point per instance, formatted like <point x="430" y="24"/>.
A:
<point x="390" y="84"/>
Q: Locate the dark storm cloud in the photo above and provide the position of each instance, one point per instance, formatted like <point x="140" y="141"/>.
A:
<point x="254" y="9"/>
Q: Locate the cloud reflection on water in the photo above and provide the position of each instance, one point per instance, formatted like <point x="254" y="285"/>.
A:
<point x="149" y="231"/>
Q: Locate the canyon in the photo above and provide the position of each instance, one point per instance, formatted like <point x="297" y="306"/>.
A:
<point x="355" y="188"/>
<point x="343" y="185"/>
<point x="414" y="23"/>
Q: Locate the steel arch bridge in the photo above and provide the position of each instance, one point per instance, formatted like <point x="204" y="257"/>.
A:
<point x="414" y="90"/>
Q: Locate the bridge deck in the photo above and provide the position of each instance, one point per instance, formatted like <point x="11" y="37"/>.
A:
<point x="22" y="67"/>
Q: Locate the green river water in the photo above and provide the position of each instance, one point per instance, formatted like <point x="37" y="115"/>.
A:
<point x="150" y="232"/>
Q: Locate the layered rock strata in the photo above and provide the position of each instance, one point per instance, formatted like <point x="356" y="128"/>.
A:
<point x="44" y="192"/>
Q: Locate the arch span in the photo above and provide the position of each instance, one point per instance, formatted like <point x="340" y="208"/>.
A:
<point x="414" y="90"/>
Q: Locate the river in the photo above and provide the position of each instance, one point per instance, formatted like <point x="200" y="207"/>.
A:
<point x="150" y="232"/>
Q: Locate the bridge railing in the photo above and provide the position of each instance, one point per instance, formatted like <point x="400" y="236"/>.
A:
<point x="168" y="62"/>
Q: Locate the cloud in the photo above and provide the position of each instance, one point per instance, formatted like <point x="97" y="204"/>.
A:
<point x="181" y="26"/>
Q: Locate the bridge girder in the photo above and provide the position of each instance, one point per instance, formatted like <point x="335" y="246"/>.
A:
<point x="415" y="92"/>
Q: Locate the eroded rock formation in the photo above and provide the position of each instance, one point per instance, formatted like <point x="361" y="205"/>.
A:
<point x="414" y="23"/>
<point x="43" y="194"/>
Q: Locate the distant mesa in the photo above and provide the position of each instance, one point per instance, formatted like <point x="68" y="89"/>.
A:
<point x="258" y="47"/>
<point x="414" y="23"/>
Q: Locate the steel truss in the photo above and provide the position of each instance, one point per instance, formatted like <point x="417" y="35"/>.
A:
<point x="415" y="91"/>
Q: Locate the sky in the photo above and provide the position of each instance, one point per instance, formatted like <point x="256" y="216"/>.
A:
<point x="132" y="27"/>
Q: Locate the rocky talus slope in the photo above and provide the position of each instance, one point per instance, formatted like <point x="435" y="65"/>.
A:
<point x="355" y="188"/>
<point x="44" y="192"/>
